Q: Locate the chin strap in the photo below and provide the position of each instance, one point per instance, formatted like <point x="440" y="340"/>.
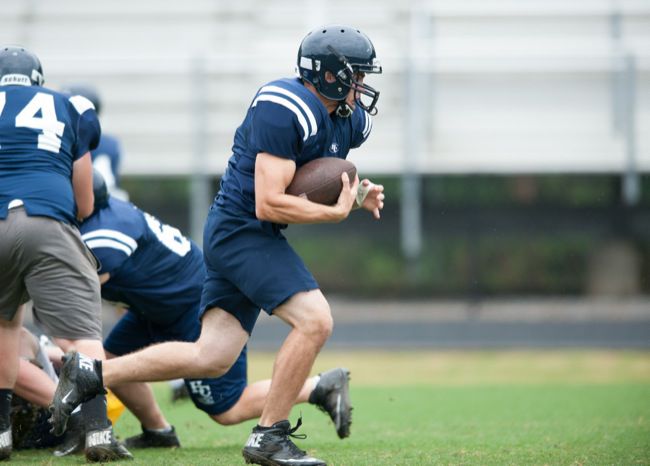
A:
<point x="343" y="110"/>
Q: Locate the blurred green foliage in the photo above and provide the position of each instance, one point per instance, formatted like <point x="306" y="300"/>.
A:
<point x="482" y="234"/>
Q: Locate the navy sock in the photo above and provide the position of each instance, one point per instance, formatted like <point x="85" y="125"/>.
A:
<point x="94" y="413"/>
<point x="5" y="408"/>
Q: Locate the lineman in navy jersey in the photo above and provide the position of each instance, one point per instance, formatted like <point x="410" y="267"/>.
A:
<point x="45" y="188"/>
<point x="250" y="265"/>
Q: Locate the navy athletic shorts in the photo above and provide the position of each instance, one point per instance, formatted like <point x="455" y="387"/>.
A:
<point x="250" y="266"/>
<point x="212" y="395"/>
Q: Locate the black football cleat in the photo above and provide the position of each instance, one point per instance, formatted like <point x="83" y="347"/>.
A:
<point x="6" y="444"/>
<point x="271" y="446"/>
<point x="332" y="395"/>
<point x="74" y="437"/>
<point x="179" y="392"/>
<point x="102" y="447"/>
<point x="80" y="380"/>
<point x="154" y="439"/>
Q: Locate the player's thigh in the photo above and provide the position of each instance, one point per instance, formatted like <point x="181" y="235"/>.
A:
<point x="63" y="281"/>
<point x="308" y="310"/>
<point x="12" y="287"/>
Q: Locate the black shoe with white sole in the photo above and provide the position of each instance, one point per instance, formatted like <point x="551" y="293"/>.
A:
<point x="332" y="395"/>
<point x="80" y="380"/>
<point x="271" y="446"/>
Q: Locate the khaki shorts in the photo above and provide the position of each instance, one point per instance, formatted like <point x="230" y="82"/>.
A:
<point x="46" y="260"/>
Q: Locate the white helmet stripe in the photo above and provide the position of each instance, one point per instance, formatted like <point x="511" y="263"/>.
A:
<point x="287" y="104"/>
<point x="296" y="99"/>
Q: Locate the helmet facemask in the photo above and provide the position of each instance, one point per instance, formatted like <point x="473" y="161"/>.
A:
<point x="347" y="76"/>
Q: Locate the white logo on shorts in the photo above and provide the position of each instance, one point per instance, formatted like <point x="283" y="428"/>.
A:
<point x="202" y="391"/>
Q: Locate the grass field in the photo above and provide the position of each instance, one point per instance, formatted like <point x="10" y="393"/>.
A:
<point x="455" y="408"/>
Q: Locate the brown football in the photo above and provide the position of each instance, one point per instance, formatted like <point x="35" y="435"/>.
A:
<point x="320" y="180"/>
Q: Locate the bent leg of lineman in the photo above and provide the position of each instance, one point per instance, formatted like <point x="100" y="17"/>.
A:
<point x="221" y="341"/>
<point x="228" y="400"/>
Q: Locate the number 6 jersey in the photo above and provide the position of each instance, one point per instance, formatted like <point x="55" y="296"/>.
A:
<point x="42" y="132"/>
<point x="156" y="271"/>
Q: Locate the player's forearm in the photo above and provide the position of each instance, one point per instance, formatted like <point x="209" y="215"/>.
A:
<point x="34" y="385"/>
<point x="284" y="208"/>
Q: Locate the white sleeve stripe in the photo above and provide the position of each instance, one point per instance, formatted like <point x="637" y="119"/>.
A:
<point x="109" y="243"/>
<point x="113" y="234"/>
<point x="299" y="101"/>
<point x="368" y="127"/>
<point x="285" y="103"/>
<point x="81" y="104"/>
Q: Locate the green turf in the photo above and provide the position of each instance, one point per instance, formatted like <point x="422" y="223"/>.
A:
<point x="541" y="408"/>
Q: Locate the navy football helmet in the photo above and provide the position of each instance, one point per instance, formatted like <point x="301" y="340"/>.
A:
<point x="19" y="66"/>
<point x="100" y="190"/>
<point x="84" y="90"/>
<point x="344" y="51"/>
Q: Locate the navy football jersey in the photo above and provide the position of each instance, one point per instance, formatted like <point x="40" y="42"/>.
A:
<point x="154" y="270"/>
<point x="42" y="132"/>
<point x="287" y="120"/>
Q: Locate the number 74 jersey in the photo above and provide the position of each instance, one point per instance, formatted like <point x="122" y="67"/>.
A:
<point x="42" y="133"/>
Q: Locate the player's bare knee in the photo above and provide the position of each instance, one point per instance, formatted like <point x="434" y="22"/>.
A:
<point x="226" y="419"/>
<point x="318" y="324"/>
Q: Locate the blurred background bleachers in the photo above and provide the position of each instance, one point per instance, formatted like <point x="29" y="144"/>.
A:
<point x="513" y="137"/>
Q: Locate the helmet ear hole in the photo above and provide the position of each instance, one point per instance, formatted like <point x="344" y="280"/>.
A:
<point x="329" y="77"/>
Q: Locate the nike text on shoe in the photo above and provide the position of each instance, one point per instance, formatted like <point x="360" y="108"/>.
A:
<point x="5" y="444"/>
<point x="80" y="380"/>
<point x="154" y="439"/>
<point x="271" y="446"/>
<point x="102" y="447"/>
<point x="332" y="395"/>
<point x="74" y="438"/>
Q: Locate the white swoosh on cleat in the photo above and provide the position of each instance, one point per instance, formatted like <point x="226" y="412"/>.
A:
<point x="65" y="398"/>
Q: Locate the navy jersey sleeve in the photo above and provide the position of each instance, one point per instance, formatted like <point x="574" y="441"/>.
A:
<point x="111" y="247"/>
<point x="88" y="129"/>
<point x="277" y="127"/>
<point x="361" y="126"/>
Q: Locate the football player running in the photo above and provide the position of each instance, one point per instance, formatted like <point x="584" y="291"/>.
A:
<point x="250" y="265"/>
<point x="45" y="188"/>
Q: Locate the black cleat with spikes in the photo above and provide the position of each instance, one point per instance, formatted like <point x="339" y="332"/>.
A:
<point x="332" y="395"/>
<point x="102" y="447"/>
<point x="154" y="439"/>
<point x="6" y="444"/>
<point x="74" y="437"/>
<point x="80" y="380"/>
<point x="271" y="446"/>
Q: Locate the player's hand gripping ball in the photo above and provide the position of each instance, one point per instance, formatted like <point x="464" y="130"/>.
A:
<point x="320" y="180"/>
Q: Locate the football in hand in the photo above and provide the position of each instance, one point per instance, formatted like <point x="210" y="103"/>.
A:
<point x="320" y="180"/>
